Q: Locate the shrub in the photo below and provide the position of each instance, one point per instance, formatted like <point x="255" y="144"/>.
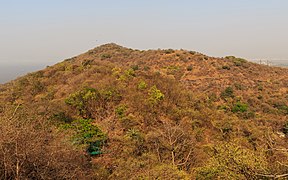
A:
<point x="260" y="87"/>
<point x="236" y="61"/>
<point x="238" y="86"/>
<point x="239" y="107"/>
<point x="142" y="85"/>
<point x="226" y="67"/>
<point x="189" y="68"/>
<point x="126" y="75"/>
<point x="61" y="117"/>
<point x="146" y="68"/>
<point x="239" y="61"/>
<point x="37" y="87"/>
<point x="192" y="52"/>
<point x="227" y="93"/>
<point x="87" y="63"/>
<point x="229" y="161"/>
<point x="134" y="134"/>
<point x="89" y="135"/>
<point x="130" y="73"/>
<point x="106" y="56"/>
<point x="120" y="111"/>
<point x="128" y="122"/>
<point x="81" y="99"/>
<point x="285" y="129"/>
<point x="38" y="151"/>
<point x="281" y="107"/>
<point x="155" y="95"/>
<point x="116" y="71"/>
<point x="169" y="51"/>
<point x="135" y="67"/>
<point x="86" y="132"/>
<point x="91" y="102"/>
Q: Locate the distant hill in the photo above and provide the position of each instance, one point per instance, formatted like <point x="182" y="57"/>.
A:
<point x="120" y="113"/>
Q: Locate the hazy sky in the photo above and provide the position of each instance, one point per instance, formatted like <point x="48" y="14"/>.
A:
<point x="48" y="31"/>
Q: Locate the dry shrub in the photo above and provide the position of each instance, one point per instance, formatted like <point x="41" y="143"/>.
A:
<point x="31" y="149"/>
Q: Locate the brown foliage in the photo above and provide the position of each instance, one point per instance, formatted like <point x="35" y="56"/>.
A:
<point x="31" y="149"/>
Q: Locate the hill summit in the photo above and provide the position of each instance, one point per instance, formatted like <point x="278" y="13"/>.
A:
<point x="118" y="113"/>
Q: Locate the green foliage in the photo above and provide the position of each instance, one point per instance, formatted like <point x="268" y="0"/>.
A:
<point x="166" y="171"/>
<point x="239" y="107"/>
<point x="116" y="71"/>
<point x="134" y="134"/>
<point x="80" y="100"/>
<point x="89" y="101"/>
<point x="239" y="61"/>
<point x="130" y="73"/>
<point x="142" y="85"/>
<point x="155" y="95"/>
<point x="106" y="56"/>
<point x="229" y="161"/>
<point x="86" y="132"/>
<point x="173" y="68"/>
<point x="37" y="87"/>
<point x="285" y="128"/>
<point x="120" y="111"/>
<point x="236" y="61"/>
<point x="283" y="108"/>
<point x="155" y="132"/>
<point x="124" y="76"/>
<point x="227" y="93"/>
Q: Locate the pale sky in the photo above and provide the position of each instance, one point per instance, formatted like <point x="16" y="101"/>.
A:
<point x="47" y="31"/>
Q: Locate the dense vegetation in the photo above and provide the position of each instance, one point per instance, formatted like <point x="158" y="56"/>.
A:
<point x="118" y="113"/>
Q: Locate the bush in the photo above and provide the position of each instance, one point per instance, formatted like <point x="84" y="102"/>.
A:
<point x="236" y="61"/>
<point x="142" y="85"/>
<point x="229" y="161"/>
<point x="86" y="132"/>
<point x="81" y="100"/>
<point x="135" y="67"/>
<point x="120" y="111"/>
<point x="285" y="129"/>
<point x="226" y="67"/>
<point x="169" y="51"/>
<point x="61" y="117"/>
<point x="33" y="150"/>
<point x="240" y="107"/>
<point x="189" y="68"/>
<point x="106" y="56"/>
<point x="227" y="93"/>
<point x="90" y="102"/>
<point x="155" y="95"/>
<point x="239" y="61"/>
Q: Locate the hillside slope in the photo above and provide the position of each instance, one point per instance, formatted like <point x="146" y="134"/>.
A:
<point x="121" y="113"/>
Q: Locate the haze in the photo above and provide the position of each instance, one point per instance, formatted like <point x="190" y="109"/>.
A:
<point x="38" y="33"/>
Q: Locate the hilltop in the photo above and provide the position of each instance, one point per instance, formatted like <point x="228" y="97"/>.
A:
<point x="119" y="113"/>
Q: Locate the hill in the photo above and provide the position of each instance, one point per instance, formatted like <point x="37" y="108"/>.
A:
<point x="119" y="113"/>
